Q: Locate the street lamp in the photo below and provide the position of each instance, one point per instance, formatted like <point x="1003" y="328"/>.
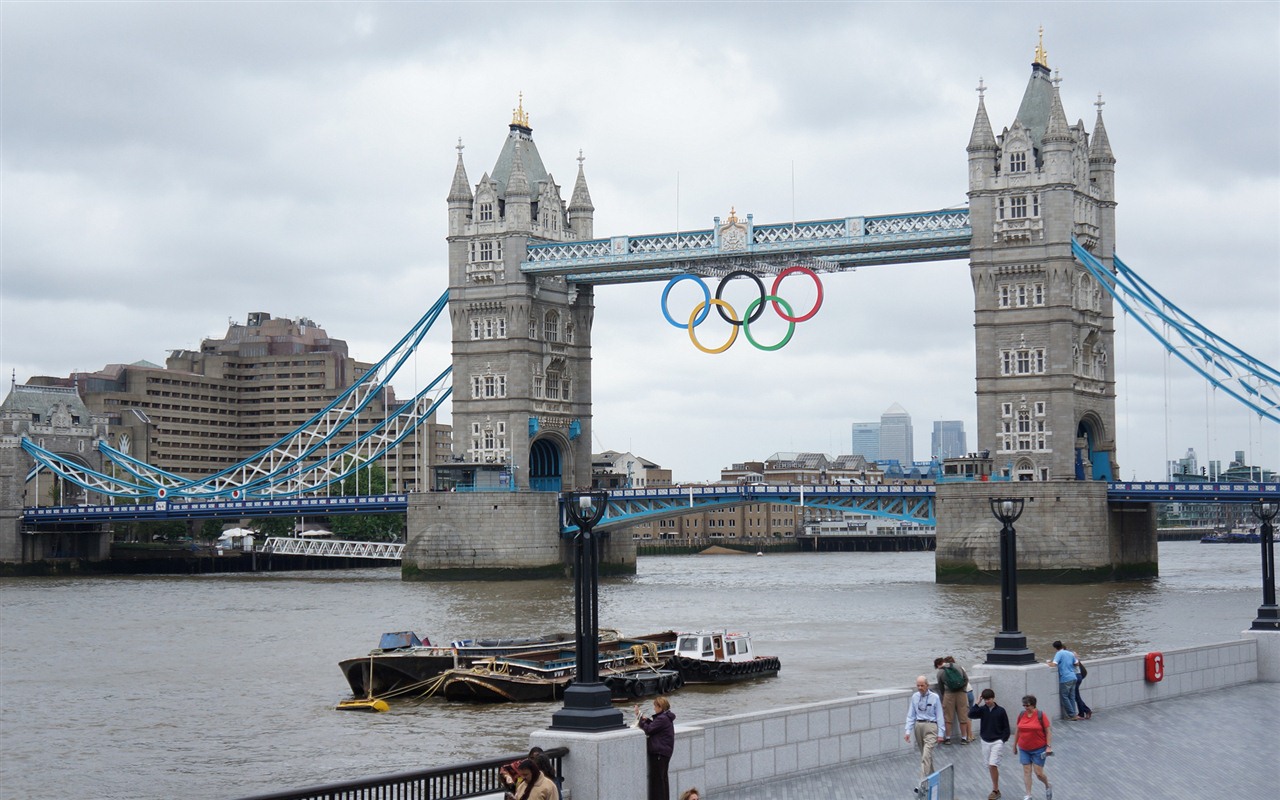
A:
<point x="1011" y="645"/>
<point x="588" y="703"/>
<point x="1268" y="614"/>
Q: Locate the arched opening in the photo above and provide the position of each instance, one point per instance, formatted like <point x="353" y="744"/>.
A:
<point x="1091" y="462"/>
<point x="1024" y="470"/>
<point x="544" y="466"/>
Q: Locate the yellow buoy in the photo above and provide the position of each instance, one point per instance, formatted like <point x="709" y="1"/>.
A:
<point x="363" y="704"/>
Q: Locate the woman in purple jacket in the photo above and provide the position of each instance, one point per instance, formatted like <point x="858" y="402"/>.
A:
<point x="660" y="731"/>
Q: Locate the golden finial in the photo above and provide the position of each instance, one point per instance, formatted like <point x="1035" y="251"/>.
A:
<point x="518" y="115"/>
<point x="1042" y="56"/>
<point x="733" y="215"/>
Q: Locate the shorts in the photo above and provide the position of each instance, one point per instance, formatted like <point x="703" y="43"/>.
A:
<point x="991" y="752"/>
<point x="1036" y="756"/>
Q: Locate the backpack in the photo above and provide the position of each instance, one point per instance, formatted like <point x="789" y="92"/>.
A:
<point x="1080" y="669"/>
<point x="953" y="678"/>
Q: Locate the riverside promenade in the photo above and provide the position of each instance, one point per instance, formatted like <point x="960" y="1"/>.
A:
<point x="1217" y="744"/>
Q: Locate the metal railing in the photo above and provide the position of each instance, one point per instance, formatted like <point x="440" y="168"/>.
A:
<point x="455" y="782"/>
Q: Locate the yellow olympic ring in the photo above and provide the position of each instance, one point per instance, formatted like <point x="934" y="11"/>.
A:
<point x="733" y="337"/>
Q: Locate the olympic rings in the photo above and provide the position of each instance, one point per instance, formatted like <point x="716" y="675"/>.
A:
<point x="753" y="311"/>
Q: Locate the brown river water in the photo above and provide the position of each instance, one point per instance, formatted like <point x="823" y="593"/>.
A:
<point x="218" y="686"/>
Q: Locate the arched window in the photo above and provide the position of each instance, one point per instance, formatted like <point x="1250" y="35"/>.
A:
<point x="551" y="326"/>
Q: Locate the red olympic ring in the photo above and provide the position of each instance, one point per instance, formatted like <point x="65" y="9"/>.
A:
<point x="817" y="304"/>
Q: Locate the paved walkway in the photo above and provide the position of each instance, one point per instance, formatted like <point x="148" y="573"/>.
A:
<point x="1213" y="746"/>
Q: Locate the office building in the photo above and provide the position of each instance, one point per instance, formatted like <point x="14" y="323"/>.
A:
<point x="866" y="440"/>
<point x="896" y="441"/>
<point x="211" y="408"/>
<point x="948" y="439"/>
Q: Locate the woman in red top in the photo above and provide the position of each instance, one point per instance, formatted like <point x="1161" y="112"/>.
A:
<point x="1033" y="742"/>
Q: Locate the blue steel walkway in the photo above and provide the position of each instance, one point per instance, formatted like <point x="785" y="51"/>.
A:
<point x="1213" y="746"/>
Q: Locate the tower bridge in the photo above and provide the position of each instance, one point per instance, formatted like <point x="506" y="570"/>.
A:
<point x="1038" y="232"/>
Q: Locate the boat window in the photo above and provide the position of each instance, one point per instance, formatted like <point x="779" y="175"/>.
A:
<point x="706" y="646"/>
<point x="689" y="644"/>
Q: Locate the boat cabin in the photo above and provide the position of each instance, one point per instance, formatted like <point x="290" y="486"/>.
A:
<point x="715" y="646"/>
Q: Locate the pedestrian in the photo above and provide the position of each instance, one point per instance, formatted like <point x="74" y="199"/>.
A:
<point x="690" y="794"/>
<point x="1065" y="662"/>
<point x="539" y="756"/>
<point x="1033" y="743"/>
<point x="533" y="784"/>
<point x="993" y="728"/>
<point x="926" y="722"/>
<point x="1082" y="709"/>
<point x="660" y="734"/>
<point x="955" y="707"/>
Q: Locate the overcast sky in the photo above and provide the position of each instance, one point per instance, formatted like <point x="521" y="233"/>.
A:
<point x="168" y="167"/>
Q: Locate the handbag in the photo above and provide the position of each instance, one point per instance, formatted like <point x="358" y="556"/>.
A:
<point x="1081" y="671"/>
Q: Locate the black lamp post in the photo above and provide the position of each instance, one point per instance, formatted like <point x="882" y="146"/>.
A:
<point x="1268" y="613"/>
<point x="588" y="703"/>
<point x="1011" y="645"/>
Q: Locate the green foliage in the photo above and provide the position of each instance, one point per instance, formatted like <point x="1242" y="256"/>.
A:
<point x="211" y="529"/>
<point x="272" y="526"/>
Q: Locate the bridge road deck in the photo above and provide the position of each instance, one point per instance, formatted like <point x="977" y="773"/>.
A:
<point x="1217" y="745"/>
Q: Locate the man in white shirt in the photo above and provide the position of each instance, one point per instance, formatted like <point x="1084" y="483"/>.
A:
<point x="926" y="721"/>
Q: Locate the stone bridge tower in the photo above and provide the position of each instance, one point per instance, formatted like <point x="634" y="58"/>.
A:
<point x="521" y="380"/>
<point x="1044" y="327"/>
<point x="521" y="345"/>
<point x="55" y="418"/>
<point x="1044" y="333"/>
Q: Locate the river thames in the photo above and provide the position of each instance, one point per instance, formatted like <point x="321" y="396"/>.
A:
<point x="218" y="686"/>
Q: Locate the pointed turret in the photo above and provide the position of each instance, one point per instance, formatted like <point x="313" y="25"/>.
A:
<point x="1100" y="148"/>
<point x="982" y="138"/>
<point x="581" y="211"/>
<point x="460" y="197"/>
<point x="460" y="191"/>
<point x="1102" y="162"/>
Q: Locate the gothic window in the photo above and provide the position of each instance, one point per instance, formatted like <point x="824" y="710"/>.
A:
<point x="568" y="332"/>
<point x="488" y="387"/>
<point x="486" y="211"/>
<point x="537" y="386"/>
<point x="475" y="327"/>
<point x="1037" y="294"/>
<point x="1023" y="361"/>
<point x="552" y="386"/>
<point x="1000" y="209"/>
<point x="1006" y="409"/>
<point x="565" y="393"/>
<point x="1004" y="295"/>
<point x="1018" y="207"/>
<point x="1039" y="406"/>
<point x="1022" y="295"/>
<point x="1017" y="162"/>
<point x="551" y="326"/>
<point x="1035" y="205"/>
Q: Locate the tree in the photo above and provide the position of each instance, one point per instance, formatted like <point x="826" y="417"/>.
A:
<point x="371" y="479"/>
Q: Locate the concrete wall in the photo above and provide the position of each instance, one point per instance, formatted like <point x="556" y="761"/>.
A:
<point x="495" y="535"/>
<point x="1067" y="533"/>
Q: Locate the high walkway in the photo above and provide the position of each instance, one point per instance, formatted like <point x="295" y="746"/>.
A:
<point x="1219" y="744"/>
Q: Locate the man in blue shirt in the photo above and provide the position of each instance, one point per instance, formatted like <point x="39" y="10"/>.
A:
<point x="926" y="721"/>
<point x="1065" y="661"/>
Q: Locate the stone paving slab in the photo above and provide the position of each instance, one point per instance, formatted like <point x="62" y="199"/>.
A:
<point x="1217" y="745"/>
